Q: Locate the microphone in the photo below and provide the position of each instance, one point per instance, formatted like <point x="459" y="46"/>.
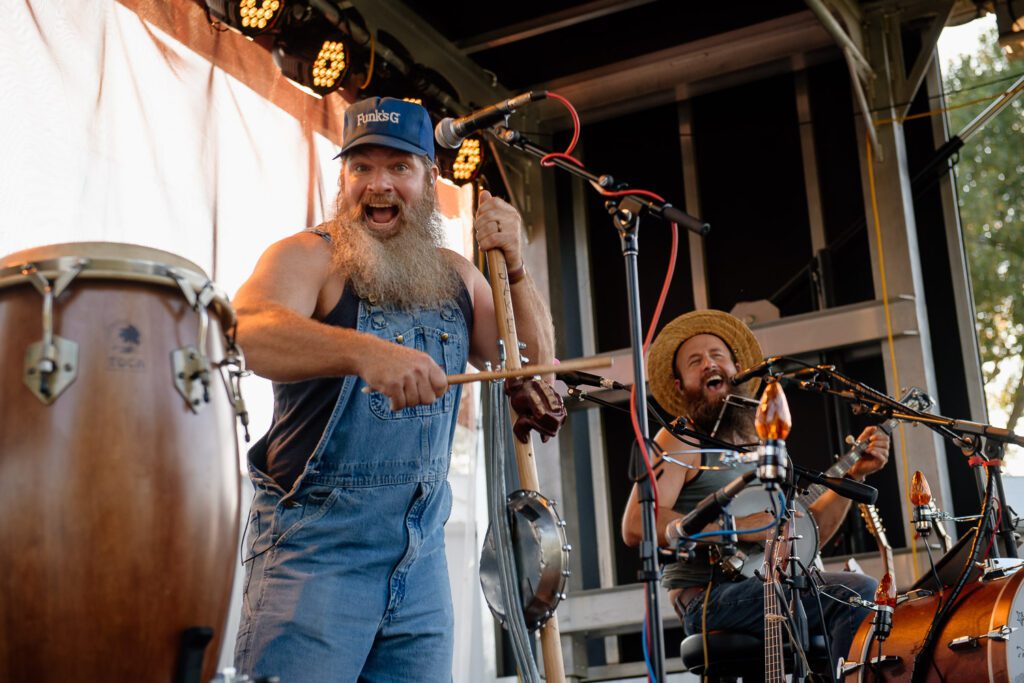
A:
<point x="574" y="379"/>
<point x="856" y="491"/>
<point x="451" y="132"/>
<point x="708" y="509"/>
<point x="759" y="370"/>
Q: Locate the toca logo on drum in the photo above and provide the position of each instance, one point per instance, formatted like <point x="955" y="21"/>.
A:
<point x="125" y="340"/>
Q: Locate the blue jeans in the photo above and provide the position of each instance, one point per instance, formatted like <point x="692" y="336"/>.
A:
<point x="739" y="607"/>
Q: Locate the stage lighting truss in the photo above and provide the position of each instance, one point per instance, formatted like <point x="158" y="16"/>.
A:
<point x="314" y="57"/>
<point x="248" y="17"/>
<point x="468" y="160"/>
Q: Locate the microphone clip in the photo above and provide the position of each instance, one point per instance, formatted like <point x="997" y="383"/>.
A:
<point x="772" y="463"/>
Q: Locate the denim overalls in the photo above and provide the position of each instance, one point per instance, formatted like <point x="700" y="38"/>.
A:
<point x="346" y="576"/>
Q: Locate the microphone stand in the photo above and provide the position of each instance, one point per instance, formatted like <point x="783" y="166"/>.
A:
<point x="625" y="211"/>
<point x="973" y="438"/>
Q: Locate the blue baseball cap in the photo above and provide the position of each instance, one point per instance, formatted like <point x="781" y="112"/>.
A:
<point x="388" y="122"/>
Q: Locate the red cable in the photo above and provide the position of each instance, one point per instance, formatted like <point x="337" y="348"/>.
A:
<point x="548" y="160"/>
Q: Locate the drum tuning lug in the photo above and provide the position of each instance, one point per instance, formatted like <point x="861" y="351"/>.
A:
<point x="561" y="523"/>
<point x="567" y="547"/>
<point x="50" y="368"/>
<point x="566" y="573"/>
<point x="191" y="376"/>
<point x="563" y="596"/>
<point x="522" y="346"/>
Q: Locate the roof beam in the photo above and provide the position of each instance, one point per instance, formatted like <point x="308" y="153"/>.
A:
<point x="547" y="23"/>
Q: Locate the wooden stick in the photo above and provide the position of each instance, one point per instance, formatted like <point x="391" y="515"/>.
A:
<point x="530" y="370"/>
<point x="550" y="637"/>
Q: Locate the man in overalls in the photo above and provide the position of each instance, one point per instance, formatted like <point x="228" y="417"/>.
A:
<point x="345" y="573"/>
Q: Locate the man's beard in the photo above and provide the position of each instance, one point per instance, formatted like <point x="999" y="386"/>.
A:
<point x="737" y="425"/>
<point x="404" y="269"/>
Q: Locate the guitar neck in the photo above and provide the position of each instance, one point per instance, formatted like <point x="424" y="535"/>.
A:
<point x="841" y="466"/>
<point x="774" y="664"/>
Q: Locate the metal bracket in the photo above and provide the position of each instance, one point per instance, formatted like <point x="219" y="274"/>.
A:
<point x="234" y="361"/>
<point x="190" y="367"/>
<point x="51" y="364"/>
<point x="191" y="370"/>
<point x="50" y="368"/>
<point x="971" y="642"/>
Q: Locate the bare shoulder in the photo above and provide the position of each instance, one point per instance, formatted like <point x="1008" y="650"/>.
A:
<point x="291" y="272"/>
<point x="673" y="447"/>
<point x="306" y="249"/>
<point x="469" y="273"/>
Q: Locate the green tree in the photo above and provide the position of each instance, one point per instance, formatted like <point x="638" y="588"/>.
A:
<point x="990" y="188"/>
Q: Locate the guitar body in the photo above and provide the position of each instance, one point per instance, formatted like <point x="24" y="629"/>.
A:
<point x="754" y="500"/>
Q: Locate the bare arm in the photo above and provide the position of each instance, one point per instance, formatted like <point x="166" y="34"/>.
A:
<point x="282" y="341"/>
<point x="830" y="510"/>
<point x="670" y="479"/>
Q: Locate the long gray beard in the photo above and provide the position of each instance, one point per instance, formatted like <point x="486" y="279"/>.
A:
<point x="406" y="270"/>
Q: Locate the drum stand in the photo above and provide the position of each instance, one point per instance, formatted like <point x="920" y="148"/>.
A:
<point x="625" y="210"/>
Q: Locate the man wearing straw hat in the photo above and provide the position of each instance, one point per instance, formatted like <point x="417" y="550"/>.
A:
<point x="346" y="577"/>
<point x="689" y="367"/>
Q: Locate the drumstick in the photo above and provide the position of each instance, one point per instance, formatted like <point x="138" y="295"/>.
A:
<point x="528" y="371"/>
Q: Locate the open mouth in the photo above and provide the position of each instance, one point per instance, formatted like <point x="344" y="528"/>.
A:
<point x="380" y="215"/>
<point x="714" y="382"/>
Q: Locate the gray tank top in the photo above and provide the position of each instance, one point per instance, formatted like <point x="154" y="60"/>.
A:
<point x="698" y="571"/>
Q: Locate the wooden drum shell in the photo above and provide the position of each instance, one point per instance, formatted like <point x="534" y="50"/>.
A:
<point x="983" y="606"/>
<point x="118" y="504"/>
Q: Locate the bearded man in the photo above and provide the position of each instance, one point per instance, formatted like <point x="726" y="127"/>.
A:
<point x="346" y="577"/>
<point x="689" y="366"/>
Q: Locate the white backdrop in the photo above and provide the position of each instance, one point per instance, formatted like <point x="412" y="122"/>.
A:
<point x="111" y="130"/>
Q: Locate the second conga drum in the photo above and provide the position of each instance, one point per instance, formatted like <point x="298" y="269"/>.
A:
<point x="983" y="640"/>
<point x="119" y="477"/>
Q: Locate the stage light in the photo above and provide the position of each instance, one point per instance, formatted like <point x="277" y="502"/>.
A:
<point x="248" y="17"/>
<point x="316" y="58"/>
<point x="414" y="100"/>
<point x="468" y="160"/>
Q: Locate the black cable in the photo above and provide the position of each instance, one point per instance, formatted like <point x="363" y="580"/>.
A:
<point x="927" y="648"/>
<point x="935" y="573"/>
<point x="816" y="589"/>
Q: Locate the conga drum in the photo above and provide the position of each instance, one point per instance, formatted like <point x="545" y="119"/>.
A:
<point x="982" y="641"/>
<point x="119" y="471"/>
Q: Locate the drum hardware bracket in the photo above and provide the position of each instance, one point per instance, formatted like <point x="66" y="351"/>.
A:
<point x="51" y="364"/>
<point x="846" y="668"/>
<point x="189" y="364"/>
<point x="998" y="567"/>
<point x="234" y="361"/>
<point x="971" y="642"/>
<point x="911" y="596"/>
<point x="191" y="371"/>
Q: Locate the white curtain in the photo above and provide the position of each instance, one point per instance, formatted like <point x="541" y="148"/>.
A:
<point x="111" y="130"/>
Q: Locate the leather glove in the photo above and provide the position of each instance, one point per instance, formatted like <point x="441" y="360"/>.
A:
<point x="537" y="407"/>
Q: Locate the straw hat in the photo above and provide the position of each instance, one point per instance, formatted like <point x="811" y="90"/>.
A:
<point x="661" y="358"/>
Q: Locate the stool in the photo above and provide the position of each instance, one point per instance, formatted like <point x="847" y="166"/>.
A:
<point x="733" y="656"/>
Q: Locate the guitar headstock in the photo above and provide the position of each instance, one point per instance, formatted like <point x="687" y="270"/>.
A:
<point x="872" y="520"/>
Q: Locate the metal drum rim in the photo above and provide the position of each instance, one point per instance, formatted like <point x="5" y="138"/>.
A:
<point x="118" y="268"/>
